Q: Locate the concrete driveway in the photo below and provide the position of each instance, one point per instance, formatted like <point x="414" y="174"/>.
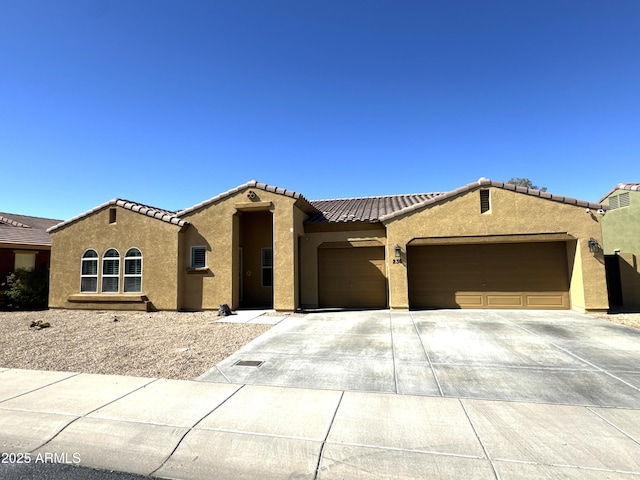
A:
<point x="533" y="356"/>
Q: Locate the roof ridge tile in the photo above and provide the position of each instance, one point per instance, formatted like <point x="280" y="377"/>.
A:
<point x="483" y="182"/>
<point x="249" y="184"/>
<point x="153" y="212"/>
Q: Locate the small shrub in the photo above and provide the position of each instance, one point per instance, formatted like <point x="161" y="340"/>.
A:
<point x="27" y="290"/>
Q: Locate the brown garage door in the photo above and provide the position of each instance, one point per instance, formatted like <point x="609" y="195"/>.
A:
<point x="505" y="275"/>
<point x="352" y="277"/>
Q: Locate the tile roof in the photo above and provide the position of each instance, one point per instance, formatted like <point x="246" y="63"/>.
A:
<point x="250" y="184"/>
<point x="360" y="209"/>
<point x="364" y="209"/>
<point x="622" y="186"/>
<point x="25" y="230"/>
<point x="153" y="212"/>
<point x="485" y="182"/>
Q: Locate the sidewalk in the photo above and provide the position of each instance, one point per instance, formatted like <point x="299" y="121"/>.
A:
<point x="196" y="430"/>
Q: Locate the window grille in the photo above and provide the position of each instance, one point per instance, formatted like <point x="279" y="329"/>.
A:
<point x="198" y="257"/>
<point x="485" y="206"/>
<point x="89" y="272"/>
<point x="267" y="267"/>
<point x="613" y="202"/>
<point x="111" y="271"/>
<point x="133" y="271"/>
<point x="624" y="199"/>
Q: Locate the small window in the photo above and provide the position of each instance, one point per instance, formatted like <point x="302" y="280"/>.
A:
<point x="89" y="272"/>
<point x="25" y="261"/>
<point x="613" y="202"/>
<point x="198" y="257"/>
<point x="485" y="206"/>
<point x="624" y="199"/>
<point x="133" y="271"/>
<point x="112" y="215"/>
<point x="111" y="271"/>
<point x="267" y="267"/>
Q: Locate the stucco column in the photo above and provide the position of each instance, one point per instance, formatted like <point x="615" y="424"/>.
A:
<point x="397" y="276"/>
<point x="284" y="264"/>
<point x="595" y="289"/>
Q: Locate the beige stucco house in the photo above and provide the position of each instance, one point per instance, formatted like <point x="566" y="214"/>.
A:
<point x="484" y="245"/>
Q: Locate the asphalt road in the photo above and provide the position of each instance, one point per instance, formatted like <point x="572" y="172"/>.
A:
<point x="49" y="471"/>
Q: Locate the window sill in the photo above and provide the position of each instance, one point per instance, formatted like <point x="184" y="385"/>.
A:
<point x="107" y="297"/>
<point x="198" y="271"/>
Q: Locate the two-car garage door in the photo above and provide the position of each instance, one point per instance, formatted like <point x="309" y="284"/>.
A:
<point x="497" y="275"/>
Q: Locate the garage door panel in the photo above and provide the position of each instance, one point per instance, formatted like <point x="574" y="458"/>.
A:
<point x="352" y="277"/>
<point x="518" y="275"/>
<point x="545" y="301"/>
<point x="466" y="301"/>
<point x="503" y="300"/>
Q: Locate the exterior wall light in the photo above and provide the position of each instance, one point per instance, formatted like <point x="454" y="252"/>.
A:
<point x="594" y="247"/>
<point x="398" y="254"/>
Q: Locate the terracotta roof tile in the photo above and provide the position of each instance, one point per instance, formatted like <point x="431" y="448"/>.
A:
<point x="153" y="212"/>
<point x="364" y="209"/>
<point x="485" y="182"/>
<point x="634" y="186"/>
<point x="25" y="230"/>
<point x="250" y="184"/>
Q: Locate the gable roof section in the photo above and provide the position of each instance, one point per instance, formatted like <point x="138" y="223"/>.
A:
<point x="485" y="182"/>
<point x="153" y="212"/>
<point x="364" y="209"/>
<point x="622" y="186"/>
<point x="251" y="184"/>
<point x="25" y="230"/>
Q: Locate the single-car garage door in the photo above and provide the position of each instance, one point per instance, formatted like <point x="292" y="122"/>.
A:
<point x="497" y="275"/>
<point x="352" y="277"/>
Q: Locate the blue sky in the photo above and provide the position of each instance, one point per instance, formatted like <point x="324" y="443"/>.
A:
<point x="169" y="103"/>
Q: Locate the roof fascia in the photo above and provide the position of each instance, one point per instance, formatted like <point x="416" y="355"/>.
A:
<point x="134" y="207"/>
<point x="486" y="183"/>
<point x="621" y="186"/>
<point x="251" y="184"/>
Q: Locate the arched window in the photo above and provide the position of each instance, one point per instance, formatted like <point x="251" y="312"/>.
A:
<point x="111" y="271"/>
<point x="89" y="272"/>
<point x="133" y="271"/>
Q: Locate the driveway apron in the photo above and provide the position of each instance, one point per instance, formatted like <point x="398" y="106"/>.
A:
<point x="532" y="356"/>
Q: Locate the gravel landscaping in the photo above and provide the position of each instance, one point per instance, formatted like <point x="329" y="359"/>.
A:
<point x="176" y="345"/>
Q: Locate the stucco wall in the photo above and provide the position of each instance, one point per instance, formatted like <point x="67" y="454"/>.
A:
<point x="217" y="227"/>
<point x="511" y="213"/>
<point x="621" y="226"/>
<point x="157" y="240"/>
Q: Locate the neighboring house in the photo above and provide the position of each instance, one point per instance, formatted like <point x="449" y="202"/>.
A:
<point x="621" y="241"/>
<point x="484" y="245"/>
<point x="24" y="243"/>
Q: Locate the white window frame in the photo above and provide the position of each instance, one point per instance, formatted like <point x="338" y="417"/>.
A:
<point x="127" y="260"/>
<point x="110" y="275"/>
<point x="264" y="266"/>
<point x="95" y="276"/>
<point x="192" y="259"/>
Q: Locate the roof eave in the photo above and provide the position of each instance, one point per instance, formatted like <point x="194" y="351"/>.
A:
<point x="250" y="184"/>
<point x="485" y="182"/>
<point x="621" y="186"/>
<point x="134" y="207"/>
